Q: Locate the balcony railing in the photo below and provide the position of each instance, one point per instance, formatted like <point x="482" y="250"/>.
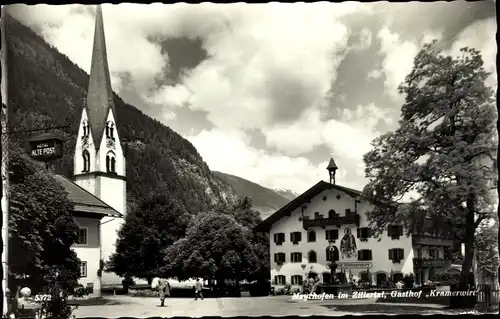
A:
<point x="431" y="241"/>
<point x="349" y="218"/>
<point x="428" y="262"/>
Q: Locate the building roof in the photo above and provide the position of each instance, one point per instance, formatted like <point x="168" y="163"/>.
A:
<point x="100" y="95"/>
<point x="301" y="200"/>
<point x="86" y="202"/>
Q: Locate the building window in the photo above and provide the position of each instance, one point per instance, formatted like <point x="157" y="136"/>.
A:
<point x="85" y="127"/>
<point x="332" y="214"/>
<point x="312" y="256"/>
<point x="332" y="254"/>
<point x="433" y="253"/>
<point x="279" y="258"/>
<point x="297" y="280"/>
<point x="110" y="127"/>
<point x="296" y="257"/>
<point x="110" y="163"/>
<point x="364" y="254"/>
<point x="365" y="277"/>
<point x="83" y="269"/>
<point x="82" y="236"/>
<point x="279" y="280"/>
<point x="419" y="253"/>
<point x="364" y="233"/>
<point x="332" y="234"/>
<point x="86" y="161"/>
<point x="295" y="237"/>
<point x="395" y="231"/>
<point x="311" y="236"/>
<point x="396" y="255"/>
<point x="279" y="238"/>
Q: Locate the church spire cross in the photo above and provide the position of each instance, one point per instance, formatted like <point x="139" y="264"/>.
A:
<point x="100" y="95"/>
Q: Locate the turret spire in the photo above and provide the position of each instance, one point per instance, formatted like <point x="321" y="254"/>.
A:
<point x="332" y="169"/>
<point x="100" y="94"/>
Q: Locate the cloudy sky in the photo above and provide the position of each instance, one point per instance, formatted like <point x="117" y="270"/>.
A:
<point x="269" y="92"/>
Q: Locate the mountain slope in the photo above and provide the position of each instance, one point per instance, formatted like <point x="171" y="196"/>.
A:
<point x="288" y="194"/>
<point x="265" y="200"/>
<point x="45" y="88"/>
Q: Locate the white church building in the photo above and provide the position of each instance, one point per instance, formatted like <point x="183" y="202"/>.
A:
<point x="99" y="160"/>
<point x="328" y="223"/>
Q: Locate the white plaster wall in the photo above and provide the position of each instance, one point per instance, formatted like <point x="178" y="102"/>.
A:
<point x="90" y="253"/>
<point x="77" y="157"/>
<point x="118" y="151"/>
<point x="380" y="255"/>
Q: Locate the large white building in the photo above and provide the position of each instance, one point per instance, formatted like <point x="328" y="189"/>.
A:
<point x="328" y="223"/>
<point x="99" y="161"/>
<point x="89" y="211"/>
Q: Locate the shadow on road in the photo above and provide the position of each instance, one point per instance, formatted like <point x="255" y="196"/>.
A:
<point x="386" y="309"/>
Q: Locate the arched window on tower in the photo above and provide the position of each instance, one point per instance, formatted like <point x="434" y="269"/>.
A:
<point x="110" y="162"/>
<point x="86" y="161"/>
<point x="85" y="126"/>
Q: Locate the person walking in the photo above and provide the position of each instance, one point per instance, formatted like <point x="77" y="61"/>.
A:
<point x="163" y="287"/>
<point x="198" y="289"/>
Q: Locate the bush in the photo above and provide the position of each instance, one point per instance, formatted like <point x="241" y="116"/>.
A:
<point x="447" y="277"/>
<point x="409" y="280"/>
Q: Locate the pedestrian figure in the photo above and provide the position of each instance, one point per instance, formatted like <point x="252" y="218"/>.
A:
<point x="198" y="289"/>
<point x="163" y="287"/>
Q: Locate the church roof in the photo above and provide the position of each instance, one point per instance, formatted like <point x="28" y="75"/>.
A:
<point x="302" y="199"/>
<point x="100" y="95"/>
<point x="84" y="201"/>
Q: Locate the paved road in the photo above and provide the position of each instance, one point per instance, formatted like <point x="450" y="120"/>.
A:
<point x="126" y="306"/>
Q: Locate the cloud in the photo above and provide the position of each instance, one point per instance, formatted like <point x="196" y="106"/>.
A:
<point x="230" y="152"/>
<point x="480" y="35"/>
<point x="375" y="74"/>
<point x="364" y="40"/>
<point x="397" y="62"/>
<point x="299" y="137"/>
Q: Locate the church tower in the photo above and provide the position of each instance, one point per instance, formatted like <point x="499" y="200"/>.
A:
<point x="99" y="161"/>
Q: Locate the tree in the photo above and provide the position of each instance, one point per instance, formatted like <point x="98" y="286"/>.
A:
<point x="157" y="222"/>
<point x="246" y="216"/>
<point x="487" y="251"/>
<point x="215" y="246"/>
<point x="42" y="228"/>
<point x="442" y="151"/>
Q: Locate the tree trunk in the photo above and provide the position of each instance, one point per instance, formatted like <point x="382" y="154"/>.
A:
<point x="463" y="285"/>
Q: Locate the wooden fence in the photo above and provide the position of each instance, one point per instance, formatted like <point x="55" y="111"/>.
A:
<point x="488" y="297"/>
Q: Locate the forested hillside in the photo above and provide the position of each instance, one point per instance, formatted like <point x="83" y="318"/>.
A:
<point x="265" y="200"/>
<point x="45" y="88"/>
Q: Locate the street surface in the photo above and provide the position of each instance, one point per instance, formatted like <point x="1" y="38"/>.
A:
<point x="126" y="306"/>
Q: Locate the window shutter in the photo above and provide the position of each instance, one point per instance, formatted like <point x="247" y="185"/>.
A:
<point x="283" y="257"/>
<point x="369" y="232"/>
<point x="401" y="253"/>
<point x="335" y="234"/>
<point x="275" y="280"/>
<point x="275" y="258"/>
<point x="370" y="255"/>
<point x="389" y="231"/>
<point x="391" y="254"/>
<point x="359" y="255"/>
<point x="299" y="236"/>
<point x="275" y="236"/>
<point x="358" y="232"/>
<point x="291" y="236"/>
<point x="327" y="232"/>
